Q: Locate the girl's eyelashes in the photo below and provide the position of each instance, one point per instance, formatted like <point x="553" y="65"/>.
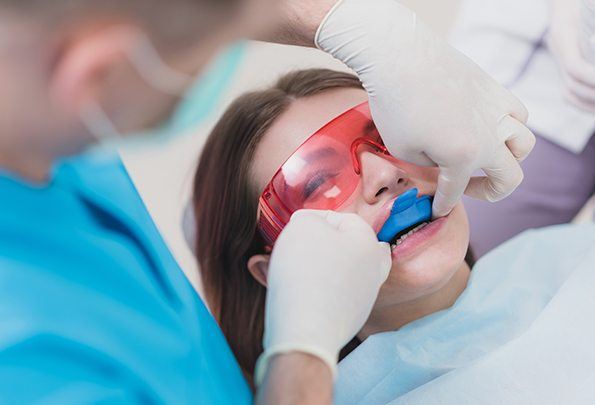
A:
<point x="315" y="182"/>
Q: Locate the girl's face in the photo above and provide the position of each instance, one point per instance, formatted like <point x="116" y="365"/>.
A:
<point x="426" y="260"/>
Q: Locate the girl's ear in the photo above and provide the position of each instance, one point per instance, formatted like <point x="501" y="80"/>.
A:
<point x="258" y="266"/>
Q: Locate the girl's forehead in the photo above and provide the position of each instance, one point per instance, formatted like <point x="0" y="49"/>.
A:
<point x="301" y="120"/>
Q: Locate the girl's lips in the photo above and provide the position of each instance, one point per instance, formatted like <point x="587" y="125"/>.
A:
<point x="419" y="238"/>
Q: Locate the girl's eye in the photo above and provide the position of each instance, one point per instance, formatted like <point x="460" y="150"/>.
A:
<point x="315" y="183"/>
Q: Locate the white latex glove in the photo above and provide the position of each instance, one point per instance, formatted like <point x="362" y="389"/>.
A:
<point x="324" y="276"/>
<point x="431" y="104"/>
<point x="567" y="37"/>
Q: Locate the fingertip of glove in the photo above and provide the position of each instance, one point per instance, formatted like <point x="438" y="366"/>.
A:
<point x="439" y="209"/>
<point x="384" y="246"/>
<point x="387" y="261"/>
<point x="317" y="36"/>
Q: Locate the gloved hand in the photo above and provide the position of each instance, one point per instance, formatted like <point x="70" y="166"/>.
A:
<point x="431" y="104"/>
<point x="566" y="43"/>
<point x="324" y="276"/>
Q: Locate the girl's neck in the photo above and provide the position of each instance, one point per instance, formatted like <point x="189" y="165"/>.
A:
<point x="394" y="317"/>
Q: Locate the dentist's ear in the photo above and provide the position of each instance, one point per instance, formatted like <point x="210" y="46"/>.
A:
<point x="84" y="63"/>
<point x="258" y="266"/>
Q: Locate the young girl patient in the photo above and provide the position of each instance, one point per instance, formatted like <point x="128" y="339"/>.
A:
<point x="242" y="200"/>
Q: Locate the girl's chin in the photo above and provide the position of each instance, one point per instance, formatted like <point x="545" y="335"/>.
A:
<point x="417" y="280"/>
<point x="429" y="270"/>
<point x="428" y="259"/>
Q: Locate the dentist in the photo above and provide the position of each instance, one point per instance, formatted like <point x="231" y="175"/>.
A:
<point x="93" y="306"/>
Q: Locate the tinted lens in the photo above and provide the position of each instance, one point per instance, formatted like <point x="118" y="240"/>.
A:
<point x="318" y="177"/>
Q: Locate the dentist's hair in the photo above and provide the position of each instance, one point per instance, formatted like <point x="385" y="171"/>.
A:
<point x="226" y="202"/>
<point x="191" y="17"/>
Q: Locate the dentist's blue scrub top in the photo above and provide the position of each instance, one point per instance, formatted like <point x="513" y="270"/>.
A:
<point x="93" y="307"/>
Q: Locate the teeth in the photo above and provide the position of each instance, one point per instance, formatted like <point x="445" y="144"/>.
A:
<point x="405" y="236"/>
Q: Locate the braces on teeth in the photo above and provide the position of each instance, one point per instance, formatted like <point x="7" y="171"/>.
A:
<point x="404" y="236"/>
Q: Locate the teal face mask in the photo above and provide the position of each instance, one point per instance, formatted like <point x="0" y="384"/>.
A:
<point x="196" y="105"/>
<point x="204" y="95"/>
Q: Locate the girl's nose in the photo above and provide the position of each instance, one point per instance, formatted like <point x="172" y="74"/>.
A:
<point x="382" y="177"/>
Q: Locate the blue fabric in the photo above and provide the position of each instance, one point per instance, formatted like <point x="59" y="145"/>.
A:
<point x="93" y="307"/>
<point x="522" y="332"/>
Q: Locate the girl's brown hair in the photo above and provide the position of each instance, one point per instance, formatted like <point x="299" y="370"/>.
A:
<point x="226" y="202"/>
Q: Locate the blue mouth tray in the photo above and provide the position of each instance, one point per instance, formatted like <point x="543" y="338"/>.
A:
<point x="407" y="211"/>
